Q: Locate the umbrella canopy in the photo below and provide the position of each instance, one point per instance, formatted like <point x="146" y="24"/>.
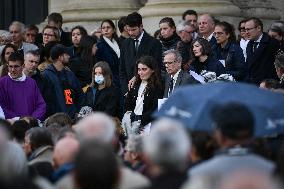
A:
<point x="192" y="105"/>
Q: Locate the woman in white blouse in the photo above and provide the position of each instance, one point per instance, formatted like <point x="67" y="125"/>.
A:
<point x="142" y="99"/>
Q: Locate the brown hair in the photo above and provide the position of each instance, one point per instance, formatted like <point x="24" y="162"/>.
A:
<point x="106" y="71"/>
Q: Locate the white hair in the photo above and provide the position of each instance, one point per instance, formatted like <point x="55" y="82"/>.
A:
<point x="98" y="126"/>
<point x="168" y="144"/>
<point x="13" y="161"/>
<point x="20" y="25"/>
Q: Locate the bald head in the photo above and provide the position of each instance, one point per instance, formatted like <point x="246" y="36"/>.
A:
<point x="65" y="151"/>
<point x="97" y="126"/>
<point x="206" y="25"/>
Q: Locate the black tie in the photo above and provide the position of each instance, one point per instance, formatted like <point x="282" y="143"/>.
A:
<point x="136" y="43"/>
<point x="254" y="46"/>
<point x="171" y="86"/>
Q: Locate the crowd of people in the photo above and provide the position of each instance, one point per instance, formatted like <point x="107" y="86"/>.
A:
<point x="76" y="110"/>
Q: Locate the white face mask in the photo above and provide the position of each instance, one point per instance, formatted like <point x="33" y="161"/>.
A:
<point x="99" y="79"/>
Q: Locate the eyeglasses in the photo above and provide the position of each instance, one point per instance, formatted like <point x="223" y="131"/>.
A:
<point x="169" y="63"/>
<point x="15" y="66"/>
<point x="249" y="29"/>
<point x="242" y="29"/>
<point x="47" y="34"/>
<point x="218" y="33"/>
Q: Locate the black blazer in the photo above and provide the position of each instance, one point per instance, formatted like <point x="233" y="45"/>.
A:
<point x="261" y="62"/>
<point x="148" y="46"/>
<point x="150" y="103"/>
<point x="183" y="78"/>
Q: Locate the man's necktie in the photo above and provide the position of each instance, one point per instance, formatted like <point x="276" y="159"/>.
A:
<point x="136" y="43"/>
<point x="171" y="86"/>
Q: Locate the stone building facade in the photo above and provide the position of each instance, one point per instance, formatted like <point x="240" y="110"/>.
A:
<point x="89" y="13"/>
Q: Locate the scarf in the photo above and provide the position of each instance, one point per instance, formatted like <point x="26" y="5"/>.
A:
<point x="113" y="44"/>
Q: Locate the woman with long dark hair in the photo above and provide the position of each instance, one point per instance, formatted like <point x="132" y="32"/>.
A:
<point x="76" y="35"/>
<point x="109" y="50"/>
<point x="203" y="59"/>
<point x="142" y="99"/>
<point x="102" y="95"/>
<point x="228" y="51"/>
<point x="7" y="50"/>
<point x="82" y="66"/>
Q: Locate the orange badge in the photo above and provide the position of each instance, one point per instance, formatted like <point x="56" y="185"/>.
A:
<point x="68" y="99"/>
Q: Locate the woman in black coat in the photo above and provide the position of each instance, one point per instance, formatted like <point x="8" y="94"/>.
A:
<point x="229" y="52"/>
<point x="203" y="59"/>
<point x="108" y="49"/>
<point x="102" y="95"/>
<point x="142" y="99"/>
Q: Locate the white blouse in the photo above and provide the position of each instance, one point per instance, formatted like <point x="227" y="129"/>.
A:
<point x="140" y="98"/>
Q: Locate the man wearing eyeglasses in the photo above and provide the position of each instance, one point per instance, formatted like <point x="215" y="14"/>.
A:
<point x="19" y="94"/>
<point x="261" y="51"/>
<point x="175" y="77"/>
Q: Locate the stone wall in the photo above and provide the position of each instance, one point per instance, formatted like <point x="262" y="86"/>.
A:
<point x="90" y="13"/>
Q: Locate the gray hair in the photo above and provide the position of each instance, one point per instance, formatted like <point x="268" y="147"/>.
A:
<point x="177" y="54"/>
<point x="20" y="25"/>
<point x="182" y="25"/>
<point x="97" y="126"/>
<point x="13" y="161"/>
<point x="134" y="143"/>
<point x="168" y="144"/>
<point x="279" y="60"/>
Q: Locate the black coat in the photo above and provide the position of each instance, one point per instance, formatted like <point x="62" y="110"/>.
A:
<point x="106" y="100"/>
<point x="261" y="62"/>
<point x="234" y="60"/>
<point x="211" y="64"/>
<point x="150" y="103"/>
<point x="128" y="57"/>
<point x="46" y="90"/>
<point x="107" y="54"/>
<point x="183" y="78"/>
<point x="82" y="70"/>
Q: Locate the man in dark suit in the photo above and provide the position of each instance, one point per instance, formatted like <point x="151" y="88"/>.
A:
<point x="175" y="76"/>
<point x="206" y="25"/>
<point x="261" y="51"/>
<point x="138" y="44"/>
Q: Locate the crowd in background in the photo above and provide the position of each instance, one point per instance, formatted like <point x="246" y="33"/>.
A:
<point x="76" y="110"/>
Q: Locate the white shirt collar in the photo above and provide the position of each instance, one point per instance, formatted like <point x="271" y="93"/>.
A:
<point x="209" y="37"/>
<point x="259" y="39"/>
<point x="22" y="78"/>
<point x="140" y="37"/>
<point x="176" y="76"/>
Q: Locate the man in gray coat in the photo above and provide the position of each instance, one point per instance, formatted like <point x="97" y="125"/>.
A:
<point x="234" y="125"/>
<point x="175" y="76"/>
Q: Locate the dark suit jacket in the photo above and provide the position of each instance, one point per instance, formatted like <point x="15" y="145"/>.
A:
<point x="148" y="46"/>
<point x="261" y="62"/>
<point x="183" y="78"/>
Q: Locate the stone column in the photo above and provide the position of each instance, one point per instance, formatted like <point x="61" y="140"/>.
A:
<point x="89" y="13"/>
<point x="257" y="8"/>
<point x="57" y="6"/>
<point x="154" y="10"/>
<point x="279" y="6"/>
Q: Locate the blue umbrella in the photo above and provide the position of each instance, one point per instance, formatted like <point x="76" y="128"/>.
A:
<point x="192" y="105"/>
